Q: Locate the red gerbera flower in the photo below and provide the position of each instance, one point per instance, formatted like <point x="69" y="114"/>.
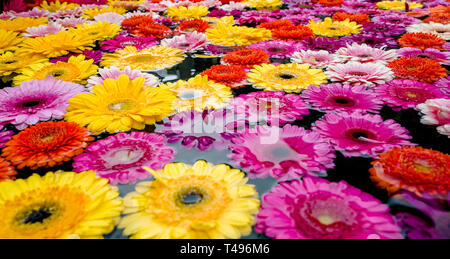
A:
<point x="331" y="2"/>
<point x="438" y="18"/>
<point x="134" y="21"/>
<point x="358" y="18"/>
<point x="276" y="24"/>
<point x="197" y="25"/>
<point x="419" y="69"/>
<point x="295" y="33"/>
<point x="421" y="40"/>
<point x="227" y="75"/>
<point x="152" y="29"/>
<point x="6" y="170"/>
<point x="246" y="57"/>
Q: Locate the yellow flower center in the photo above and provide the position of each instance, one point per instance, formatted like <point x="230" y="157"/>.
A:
<point x="325" y="219"/>
<point x="144" y="58"/>
<point x="61" y="71"/>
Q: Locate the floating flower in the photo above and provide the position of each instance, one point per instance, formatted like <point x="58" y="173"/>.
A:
<point x="421" y="40"/>
<point x="121" y="42"/>
<point x="414" y="169"/>
<point x="436" y="112"/>
<point x="419" y="69"/>
<point x="273" y="107"/>
<point x="110" y="17"/>
<point x="342" y="97"/>
<point x="316" y="59"/>
<point x="277" y="48"/>
<point x="397" y="5"/>
<point x="42" y="30"/>
<point x="90" y="13"/>
<point x="114" y="73"/>
<point x="353" y="17"/>
<point x="292" y="33"/>
<point x="191" y="12"/>
<point x="364" y="54"/>
<point x="5" y="136"/>
<point x="356" y="134"/>
<point x="264" y="4"/>
<point x="36" y="100"/>
<point x="287" y="153"/>
<point x="375" y="40"/>
<point x="152" y="29"/>
<point x="96" y="55"/>
<point x="405" y="94"/>
<point x="46" y="144"/>
<point x="290" y="77"/>
<point x="131" y="23"/>
<point x="9" y="40"/>
<point x="120" y="105"/>
<point x="441" y="30"/>
<point x="59" y="205"/>
<point x="277" y="24"/>
<point x="98" y="31"/>
<point x="443" y="57"/>
<point x="13" y="62"/>
<point x="120" y="158"/>
<point x="6" y="169"/>
<point x="228" y="35"/>
<point x="315" y="208"/>
<point x="395" y="19"/>
<point x="188" y="42"/>
<point x="384" y="29"/>
<point x="21" y="24"/>
<point x="323" y="43"/>
<point x="198" y="93"/>
<point x="71" y="22"/>
<point x="53" y="6"/>
<point x="330" y="28"/>
<point x="231" y="76"/>
<point x="246" y="58"/>
<point x="358" y="73"/>
<point x="198" y="201"/>
<point x="190" y="25"/>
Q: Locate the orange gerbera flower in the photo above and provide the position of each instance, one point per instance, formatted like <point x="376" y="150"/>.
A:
<point x="412" y="168"/>
<point x="276" y="24"/>
<point x="353" y="17"/>
<point x="46" y="144"/>
<point x="331" y="2"/>
<point x="419" y="69"/>
<point x="246" y="57"/>
<point x="6" y="170"/>
<point x="421" y="40"/>
<point x="134" y="21"/>
<point x="295" y="33"/>
<point x="438" y="18"/>
<point x="152" y="29"/>
<point x="197" y="25"/>
<point x="440" y="9"/>
<point x="230" y="76"/>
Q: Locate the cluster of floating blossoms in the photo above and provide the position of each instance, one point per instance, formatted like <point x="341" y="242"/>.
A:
<point x="229" y="119"/>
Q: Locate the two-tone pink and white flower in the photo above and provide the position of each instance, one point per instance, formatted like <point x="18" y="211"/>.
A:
<point x="436" y="112"/>
<point x="357" y="73"/>
<point x="114" y="73"/>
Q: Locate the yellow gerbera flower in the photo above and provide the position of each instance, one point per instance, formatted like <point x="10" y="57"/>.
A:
<point x="213" y="21"/>
<point x="90" y="13"/>
<point x="9" y="40"/>
<point x="56" y="45"/>
<point x="153" y="58"/>
<point x="120" y="105"/>
<point x="264" y="4"/>
<point x="57" y="6"/>
<point x="190" y="202"/>
<point x="397" y="5"/>
<point x="191" y="12"/>
<point x="97" y="31"/>
<point x="77" y="69"/>
<point x="59" y="205"/>
<point x="330" y="28"/>
<point x="11" y="62"/>
<point x="199" y="93"/>
<point x="21" y="24"/>
<point x="227" y="35"/>
<point x="127" y="4"/>
<point x="290" y="77"/>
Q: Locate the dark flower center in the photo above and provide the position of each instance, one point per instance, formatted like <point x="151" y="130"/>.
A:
<point x="37" y="216"/>
<point x="286" y="76"/>
<point x="342" y="101"/>
<point x="31" y="103"/>
<point x="192" y="198"/>
<point x="358" y="135"/>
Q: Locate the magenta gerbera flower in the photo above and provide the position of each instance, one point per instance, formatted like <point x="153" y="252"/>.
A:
<point x="342" y="97"/>
<point x="356" y="134"/>
<point x="358" y="73"/>
<point x="283" y="153"/>
<point x="372" y="39"/>
<point x="36" y="100"/>
<point x="96" y="55"/>
<point x="277" y="48"/>
<point x="442" y="57"/>
<point x="364" y="54"/>
<point x="405" y="94"/>
<point x="5" y="136"/>
<point x="444" y="85"/>
<point x="188" y="42"/>
<point x="273" y="107"/>
<point x="121" y="42"/>
<point x="120" y="158"/>
<point x="323" y="43"/>
<point x="114" y="73"/>
<point x="42" y="30"/>
<point x="395" y="19"/>
<point x="315" y="208"/>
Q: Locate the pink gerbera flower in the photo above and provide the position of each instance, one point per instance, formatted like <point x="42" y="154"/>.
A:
<point x="365" y="54"/>
<point x="72" y="22"/>
<point x="277" y="48"/>
<point x="121" y="42"/>
<point x="405" y="94"/>
<point x="316" y="59"/>
<point x="5" y="136"/>
<point x="96" y="55"/>
<point x="188" y="42"/>
<point x="342" y="97"/>
<point x="120" y="158"/>
<point x="284" y="153"/>
<point x="356" y="134"/>
<point x="114" y="73"/>
<point x="273" y="107"/>
<point x="42" y="30"/>
<point x="358" y="73"/>
<point x="153" y="7"/>
<point x="75" y="12"/>
<point x="444" y="85"/>
<point x="36" y="100"/>
<point x="442" y="57"/>
<point x="315" y="208"/>
<point x="110" y="17"/>
<point x="436" y="112"/>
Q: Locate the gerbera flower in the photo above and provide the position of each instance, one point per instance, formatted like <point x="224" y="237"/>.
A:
<point x="365" y="54"/>
<point x="323" y="43"/>
<point x="330" y="28"/>
<point x="405" y="94"/>
<point x="198" y="93"/>
<point x="294" y="33"/>
<point x="75" y="70"/>
<point x="316" y="208"/>
<point x="90" y="13"/>
<point x="285" y="154"/>
<point x="375" y="40"/>
<point x="98" y="31"/>
<point x="264" y="4"/>
<point x="120" y="105"/>
<point x="228" y="35"/>
<point x="188" y="42"/>
<point x="191" y="12"/>
<point x="396" y="19"/>
<point x="5" y="136"/>
<point x="443" y="57"/>
<point x="191" y="25"/>
<point x="419" y="69"/>
<point x="59" y="205"/>
<point x="153" y="58"/>
<point x="421" y="40"/>
<point x="316" y="59"/>
<point x="114" y="73"/>
<point x="120" y="158"/>
<point x="121" y="42"/>
<point x="42" y="30"/>
<point x="9" y="40"/>
<point x="437" y="18"/>
<point x="55" y="45"/>
<point x="436" y="112"/>
<point x="355" y="134"/>
<point x="277" y="48"/>
<point x="6" y="170"/>
<point x="330" y="3"/>
<point x="76" y="12"/>
<point x="95" y="55"/>
<point x="342" y="97"/>
<point x="444" y="85"/>
<point x="46" y="144"/>
<point x="231" y="76"/>
<point x="273" y="107"/>
<point x="353" y="17"/>
<point x="71" y="22"/>
<point x="110" y="17"/>
<point x="383" y="28"/>
<point x="290" y="77"/>
<point x="397" y="5"/>
<point x="414" y="169"/>
<point x="245" y="57"/>
<point x="12" y="62"/>
<point x="195" y="201"/>
<point x="36" y="100"/>
<point x="152" y="29"/>
<point x="358" y="73"/>
<point x="54" y="6"/>
<point x="21" y="24"/>
<point x="131" y="23"/>
<point x="277" y="24"/>
<point x="441" y="30"/>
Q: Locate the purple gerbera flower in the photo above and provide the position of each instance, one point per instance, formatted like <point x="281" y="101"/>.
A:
<point x="121" y="42"/>
<point x="371" y="39"/>
<point x="395" y="19"/>
<point x="442" y="57"/>
<point x="277" y="48"/>
<point x="384" y="29"/>
<point x="323" y="43"/>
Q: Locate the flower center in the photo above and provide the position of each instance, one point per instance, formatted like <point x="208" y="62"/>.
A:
<point x="122" y="105"/>
<point x="190" y="94"/>
<point x="31" y="103"/>
<point x="423" y="166"/>
<point x="342" y="101"/>
<point x="357" y="73"/>
<point x="61" y="71"/>
<point x="8" y="62"/>
<point x="190" y="196"/>
<point x="333" y="28"/>
<point x="37" y="216"/>
<point x="276" y="49"/>
<point x="280" y="152"/>
<point x="361" y="136"/>
<point x="144" y="59"/>
<point x="286" y="76"/>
